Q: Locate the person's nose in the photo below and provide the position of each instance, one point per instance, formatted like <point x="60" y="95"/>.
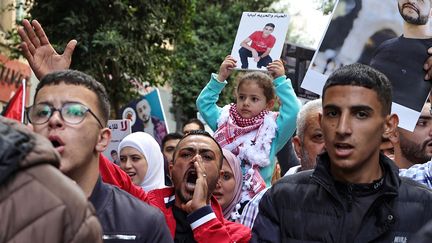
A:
<point x="55" y="121"/>
<point x="246" y="102"/>
<point x="430" y="128"/>
<point x="128" y="164"/>
<point x="344" y="125"/>
<point x="219" y="184"/>
<point x="196" y="157"/>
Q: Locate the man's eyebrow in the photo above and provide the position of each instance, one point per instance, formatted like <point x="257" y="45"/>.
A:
<point x="426" y="117"/>
<point x="361" y="108"/>
<point x="331" y="106"/>
<point x="201" y="150"/>
<point x="354" y="107"/>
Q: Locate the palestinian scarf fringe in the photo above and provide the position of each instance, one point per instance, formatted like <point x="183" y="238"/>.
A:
<point x="249" y="139"/>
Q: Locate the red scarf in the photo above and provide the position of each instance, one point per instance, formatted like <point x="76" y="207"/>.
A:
<point x="237" y="126"/>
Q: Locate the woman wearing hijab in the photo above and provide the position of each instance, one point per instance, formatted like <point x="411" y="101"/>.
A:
<point x="142" y="159"/>
<point x="228" y="190"/>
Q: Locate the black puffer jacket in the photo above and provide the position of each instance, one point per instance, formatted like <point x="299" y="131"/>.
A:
<point x="306" y="207"/>
<point x="37" y="202"/>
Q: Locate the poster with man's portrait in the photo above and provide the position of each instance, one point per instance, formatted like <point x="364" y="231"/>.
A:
<point x="372" y="32"/>
<point x="146" y="115"/>
<point x="260" y="39"/>
<point x="119" y="130"/>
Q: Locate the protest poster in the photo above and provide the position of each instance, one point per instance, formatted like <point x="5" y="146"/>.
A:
<point x="364" y="31"/>
<point x="146" y="115"/>
<point x="119" y="130"/>
<point x="260" y="39"/>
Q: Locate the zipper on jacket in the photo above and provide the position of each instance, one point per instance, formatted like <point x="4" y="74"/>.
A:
<point x="350" y="197"/>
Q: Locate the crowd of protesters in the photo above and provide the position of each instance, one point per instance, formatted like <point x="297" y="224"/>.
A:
<point x="360" y="177"/>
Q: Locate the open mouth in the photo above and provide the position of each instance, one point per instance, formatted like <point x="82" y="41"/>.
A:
<point x="131" y="174"/>
<point x="343" y="146"/>
<point x="217" y="194"/>
<point x="57" y="143"/>
<point x="191" y="177"/>
<point x="343" y="149"/>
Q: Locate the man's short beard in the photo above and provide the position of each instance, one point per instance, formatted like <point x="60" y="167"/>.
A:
<point x="306" y="163"/>
<point x="183" y="198"/>
<point x="144" y="119"/>
<point x="420" y="20"/>
<point x="414" y="153"/>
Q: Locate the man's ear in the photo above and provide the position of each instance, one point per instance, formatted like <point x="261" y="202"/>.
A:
<point x="394" y="138"/>
<point x="170" y="166"/>
<point x="320" y="116"/>
<point x="297" y="146"/>
<point x="103" y="140"/>
<point x="390" y="126"/>
<point x="270" y="104"/>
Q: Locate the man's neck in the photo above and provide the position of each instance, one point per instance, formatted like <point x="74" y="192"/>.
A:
<point x="149" y="128"/>
<point x="403" y="163"/>
<point x="364" y="175"/>
<point x="412" y="31"/>
<point x="87" y="176"/>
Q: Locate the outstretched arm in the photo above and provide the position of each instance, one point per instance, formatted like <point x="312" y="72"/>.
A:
<point x="428" y="66"/>
<point x="206" y="101"/>
<point x="38" y="51"/>
<point x="290" y="106"/>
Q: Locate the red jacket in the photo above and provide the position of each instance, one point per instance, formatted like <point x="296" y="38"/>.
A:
<point x="208" y="223"/>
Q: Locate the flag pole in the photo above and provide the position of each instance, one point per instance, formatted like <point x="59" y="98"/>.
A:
<point x="23" y="100"/>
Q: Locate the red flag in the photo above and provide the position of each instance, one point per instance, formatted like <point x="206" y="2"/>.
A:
<point x="15" y="108"/>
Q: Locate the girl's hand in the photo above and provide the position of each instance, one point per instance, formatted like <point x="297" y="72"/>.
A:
<point x="276" y="69"/>
<point x="226" y="68"/>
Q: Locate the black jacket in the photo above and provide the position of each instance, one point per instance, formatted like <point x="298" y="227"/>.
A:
<point x="124" y="218"/>
<point x="306" y="207"/>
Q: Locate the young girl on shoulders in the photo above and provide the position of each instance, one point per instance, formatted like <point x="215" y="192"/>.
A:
<point x="249" y="128"/>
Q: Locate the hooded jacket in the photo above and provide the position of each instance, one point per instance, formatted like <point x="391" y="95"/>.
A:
<point x="37" y="202"/>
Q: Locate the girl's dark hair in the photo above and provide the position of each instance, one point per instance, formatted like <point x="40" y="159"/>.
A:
<point x="263" y="80"/>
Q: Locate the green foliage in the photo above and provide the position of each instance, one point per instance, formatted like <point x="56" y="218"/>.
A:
<point x="182" y="41"/>
<point x="326" y="6"/>
<point x="212" y="32"/>
<point x="117" y="39"/>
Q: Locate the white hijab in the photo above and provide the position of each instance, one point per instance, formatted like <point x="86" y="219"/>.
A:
<point x="147" y="145"/>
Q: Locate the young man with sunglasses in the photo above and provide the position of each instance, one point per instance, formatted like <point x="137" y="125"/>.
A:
<point x="71" y="109"/>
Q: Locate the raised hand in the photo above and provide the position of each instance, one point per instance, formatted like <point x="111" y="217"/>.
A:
<point x="38" y="51"/>
<point x="200" y="195"/>
<point x="226" y="68"/>
<point x="276" y="69"/>
<point x="428" y="66"/>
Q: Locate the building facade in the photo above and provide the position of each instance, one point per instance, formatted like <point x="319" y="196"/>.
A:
<point x="12" y="71"/>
